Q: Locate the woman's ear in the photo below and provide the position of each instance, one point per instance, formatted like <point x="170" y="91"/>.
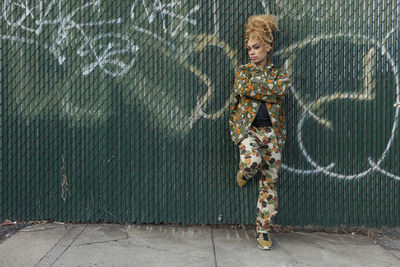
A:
<point x="270" y="52"/>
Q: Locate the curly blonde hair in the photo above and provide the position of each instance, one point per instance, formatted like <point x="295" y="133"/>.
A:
<point x="261" y="27"/>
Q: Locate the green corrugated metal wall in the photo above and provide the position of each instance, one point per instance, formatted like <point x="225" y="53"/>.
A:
<point x="114" y="111"/>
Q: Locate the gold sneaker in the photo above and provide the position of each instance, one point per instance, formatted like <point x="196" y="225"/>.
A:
<point x="264" y="241"/>
<point x="241" y="180"/>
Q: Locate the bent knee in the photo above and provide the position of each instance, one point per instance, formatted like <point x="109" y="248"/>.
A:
<point x="251" y="162"/>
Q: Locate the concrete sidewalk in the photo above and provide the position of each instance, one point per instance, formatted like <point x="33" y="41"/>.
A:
<point x="154" y="245"/>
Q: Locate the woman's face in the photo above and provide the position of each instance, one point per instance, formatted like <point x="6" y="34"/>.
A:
<point x="258" y="52"/>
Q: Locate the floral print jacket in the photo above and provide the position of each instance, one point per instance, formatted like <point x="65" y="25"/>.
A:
<point x="252" y="86"/>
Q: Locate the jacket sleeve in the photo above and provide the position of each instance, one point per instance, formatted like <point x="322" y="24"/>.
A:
<point x="274" y="87"/>
<point x="234" y="103"/>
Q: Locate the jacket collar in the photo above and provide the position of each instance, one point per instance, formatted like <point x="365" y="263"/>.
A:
<point x="254" y="68"/>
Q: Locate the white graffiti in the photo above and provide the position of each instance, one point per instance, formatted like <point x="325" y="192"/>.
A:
<point x="155" y="36"/>
<point x="115" y="54"/>
<point x="33" y="17"/>
<point x="110" y="56"/>
<point x="177" y="21"/>
<point x="367" y="94"/>
<point x="320" y="11"/>
<point x="264" y="3"/>
<point x="105" y="54"/>
<point x="205" y="41"/>
<point x="216" y="17"/>
<point x="22" y="14"/>
<point x="73" y="110"/>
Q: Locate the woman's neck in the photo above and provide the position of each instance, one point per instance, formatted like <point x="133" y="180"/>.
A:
<point x="263" y="64"/>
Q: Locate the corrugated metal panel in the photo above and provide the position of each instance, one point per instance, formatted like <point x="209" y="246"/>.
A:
<point x="114" y="111"/>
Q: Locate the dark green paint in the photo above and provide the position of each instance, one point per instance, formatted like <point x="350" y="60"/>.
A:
<point x="127" y="145"/>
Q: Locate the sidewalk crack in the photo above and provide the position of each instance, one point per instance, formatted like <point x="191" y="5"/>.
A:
<point x="394" y="255"/>
<point x="213" y="243"/>
<point x="54" y="254"/>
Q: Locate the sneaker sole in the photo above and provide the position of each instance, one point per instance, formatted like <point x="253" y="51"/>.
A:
<point x="266" y="248"/>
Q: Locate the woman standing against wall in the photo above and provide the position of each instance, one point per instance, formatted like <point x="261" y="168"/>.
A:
<point x="257" y="121"/>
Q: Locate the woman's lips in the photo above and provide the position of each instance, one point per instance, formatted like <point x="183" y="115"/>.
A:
<point x="252" y="58"/>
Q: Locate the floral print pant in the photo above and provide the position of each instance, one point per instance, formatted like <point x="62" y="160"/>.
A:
<point x="259" y="153"/>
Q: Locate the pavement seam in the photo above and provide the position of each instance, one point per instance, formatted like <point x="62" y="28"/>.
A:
<point x="106" y="241"/>
<point x="394" y="255"/>
<point x="61" y="247"/>
<point x="101" y="242"/>
<point x="38" y="230"/>
<point x="213" y="243"/>
<point x="285" y="251"/>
